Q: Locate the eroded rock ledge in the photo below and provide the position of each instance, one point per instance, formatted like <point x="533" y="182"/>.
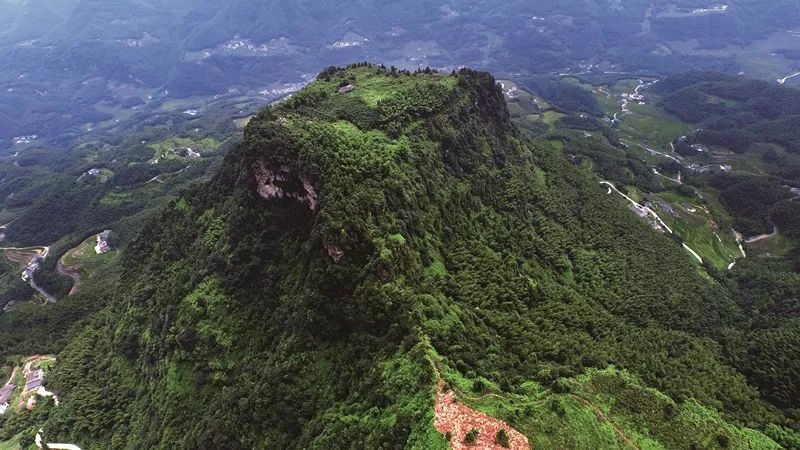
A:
<point x="272" y="183"/>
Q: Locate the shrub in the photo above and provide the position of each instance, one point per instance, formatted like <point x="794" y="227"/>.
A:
<point x="471" y="437"/>
<point x="501" y="438"/>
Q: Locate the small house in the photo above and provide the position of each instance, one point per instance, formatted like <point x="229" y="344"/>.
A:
<point x="102" y="243"/>
<point x="666" y="207"/>
<point x="347" y="89"/>
<point x="5" y="397"/>
<point x="33" y="380"/>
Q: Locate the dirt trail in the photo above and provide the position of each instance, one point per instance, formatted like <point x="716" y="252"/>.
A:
<point x="62" y="269"/>
<point x="11" y="378"/>
<point x="38" y="250"/>
<point x="601" y="416"/>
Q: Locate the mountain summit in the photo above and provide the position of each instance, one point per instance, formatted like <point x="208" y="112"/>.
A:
<point x="385" y="262"/>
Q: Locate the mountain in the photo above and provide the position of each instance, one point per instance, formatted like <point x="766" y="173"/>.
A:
<point x="368" y="255"/>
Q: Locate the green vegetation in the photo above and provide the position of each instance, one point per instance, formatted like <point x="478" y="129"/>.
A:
<point x="607" y="408"/>
<point x="60" y="196"/>
<point x="471" y="437"/>
<point x="748" y="124"/>
<point x="501" y="438"/>
<point x="417" y="238"/>
<point x="171" y="148"/>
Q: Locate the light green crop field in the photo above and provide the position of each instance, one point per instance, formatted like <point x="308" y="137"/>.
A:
<point x="693" y="222"/>
<point x="84" y="260"/>
<point x="165" y="149"/>
<point x="550" y="117"/>
<point x="778" y="245"/>
<point x="651" y="126"/>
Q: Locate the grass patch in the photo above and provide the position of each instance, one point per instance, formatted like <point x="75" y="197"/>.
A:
<point x="86" y="261"/>
<point x="550" y="117"/>
<point x="166" y="149"/>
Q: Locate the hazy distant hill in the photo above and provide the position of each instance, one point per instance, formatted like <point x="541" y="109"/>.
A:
<point x="49" y="52"/>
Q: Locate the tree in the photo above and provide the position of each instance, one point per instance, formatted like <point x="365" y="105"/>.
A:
<point x="501" y="438"/>
<point x="471" y="437"/>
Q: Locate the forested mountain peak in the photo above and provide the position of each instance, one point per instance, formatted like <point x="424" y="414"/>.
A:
<point x="382" y="235"/>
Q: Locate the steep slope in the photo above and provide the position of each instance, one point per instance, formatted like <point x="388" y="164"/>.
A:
<point x="357" y="249"/>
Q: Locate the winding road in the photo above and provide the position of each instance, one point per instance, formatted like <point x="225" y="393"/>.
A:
<point x="761" y="237"/>
<point x="66" y="271"/>
<point x="652" y="213"/>
<point x="656" y="152"/>
<point x="31" y="266"/>
<point x="158" y="177"/>
<point x="638" y="206"/>
<point x="786" y="78"/>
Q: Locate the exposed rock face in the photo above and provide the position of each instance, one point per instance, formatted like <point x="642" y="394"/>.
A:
<point x="334" y="252"/>
<point x="272" y="183"/>
<point x="311" y="194"/>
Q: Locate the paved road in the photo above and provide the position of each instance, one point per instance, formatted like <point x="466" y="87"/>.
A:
<point x="761" y="237"/>
<point x="637" y="205"/>
<point x="652" y="213"/>
<point x="55" y="446"/>
<point x="158" y="177"/>
<point x="784" y="79"/>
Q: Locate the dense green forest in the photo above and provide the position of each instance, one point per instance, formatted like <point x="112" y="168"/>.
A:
<point x="357" y="247"/>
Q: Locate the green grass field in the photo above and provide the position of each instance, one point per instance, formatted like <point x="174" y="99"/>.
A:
<point x="372" y="88"/>
<point x="603" y="408"/>
<point x="12" y="444"/>
<point x="85" y="260"/>
<point x="779" y="245"/>
<point x="713" y="241"/>
<point x="242" y="122"/>
<point x="550" y="117"/>
<point x="165" y="149"/>
<point x="651" y="126"/>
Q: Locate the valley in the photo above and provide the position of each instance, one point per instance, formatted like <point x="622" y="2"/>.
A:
<point x="631" y="109"/>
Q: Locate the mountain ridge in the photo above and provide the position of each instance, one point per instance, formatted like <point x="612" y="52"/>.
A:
<point x="358" y="246"/>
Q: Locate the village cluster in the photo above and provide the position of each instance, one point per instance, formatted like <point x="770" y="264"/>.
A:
<point x="33" y="387"/>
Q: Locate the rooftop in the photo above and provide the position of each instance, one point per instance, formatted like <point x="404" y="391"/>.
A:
<point x="6" y="392"/>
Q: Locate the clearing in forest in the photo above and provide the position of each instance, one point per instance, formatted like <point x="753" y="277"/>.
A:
<point x="458" y="419"/>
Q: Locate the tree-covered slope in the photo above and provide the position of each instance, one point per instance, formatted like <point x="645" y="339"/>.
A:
<point x="357" y="248"/>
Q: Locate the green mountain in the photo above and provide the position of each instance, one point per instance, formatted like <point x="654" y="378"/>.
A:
<point x="360" y="248"/>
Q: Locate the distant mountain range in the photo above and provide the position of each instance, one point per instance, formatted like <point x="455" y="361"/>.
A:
<point x="66" y="64"/>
